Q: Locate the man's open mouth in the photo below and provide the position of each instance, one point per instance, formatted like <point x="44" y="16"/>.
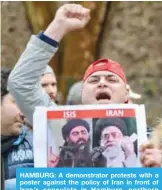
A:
<point x="103" y="96"/>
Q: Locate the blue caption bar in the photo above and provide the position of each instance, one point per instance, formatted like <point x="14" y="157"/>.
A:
<point x="89" y="179"/>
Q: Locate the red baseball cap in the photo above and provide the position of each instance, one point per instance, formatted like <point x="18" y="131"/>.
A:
<point x="105" y="65"/>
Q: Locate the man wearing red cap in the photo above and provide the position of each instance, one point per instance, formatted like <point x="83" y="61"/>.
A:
<point x="104" y="83"/>
<point x="104" y="80"/>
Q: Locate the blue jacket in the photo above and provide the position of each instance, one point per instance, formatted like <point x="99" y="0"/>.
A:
<point x="19" y="154"/>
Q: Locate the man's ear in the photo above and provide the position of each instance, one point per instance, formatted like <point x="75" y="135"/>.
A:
<point x="127" y="93"/>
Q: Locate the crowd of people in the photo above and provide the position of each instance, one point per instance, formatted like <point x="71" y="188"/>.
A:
<point x="33" y="83"/>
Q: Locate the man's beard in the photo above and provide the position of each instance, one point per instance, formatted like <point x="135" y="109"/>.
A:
<point x="80" y="145"/>
<point x="111" y="146"/>
<point x="112" y="152"/>
<point x="80" y="141"/>
<point x="79" y="154"/>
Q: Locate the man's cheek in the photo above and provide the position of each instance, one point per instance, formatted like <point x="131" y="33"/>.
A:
<point x="10" y="118"/>
<point x="73" y="140"/>
<point x="7" y="117"/>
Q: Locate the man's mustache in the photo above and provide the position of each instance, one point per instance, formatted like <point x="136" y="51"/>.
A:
<point x="81" y="140"/>
<point x="77" y="145"/>
<point x="111" y="142"/>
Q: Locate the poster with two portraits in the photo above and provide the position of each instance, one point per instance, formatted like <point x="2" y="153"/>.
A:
<point x="89" y="136"/>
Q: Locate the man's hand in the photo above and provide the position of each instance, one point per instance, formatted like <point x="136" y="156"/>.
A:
<point x="127" y="146"/>
<point x="68" y="17"/>
<point x="151" y="156"/>
<point x="52" y="159"/>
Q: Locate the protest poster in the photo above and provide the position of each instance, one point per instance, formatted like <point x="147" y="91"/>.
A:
<point x="89" y="135"/>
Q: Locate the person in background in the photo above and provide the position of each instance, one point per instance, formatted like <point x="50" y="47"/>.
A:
<point x="104" y="81"/>
<point x="16" y="136"/>
<point x="16" y="132"/>
<point x="156" y="135"/>
<point x="132" y="95"/>
<point x="74" y="94"/>
<point x="49" y="83"/>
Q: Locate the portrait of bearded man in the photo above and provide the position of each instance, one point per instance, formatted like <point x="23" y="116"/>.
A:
<point x="116" y="148"/>
<point x="75" y="151"/>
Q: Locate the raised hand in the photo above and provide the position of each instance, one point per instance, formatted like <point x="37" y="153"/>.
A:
<point x="69" y="17"/>
<point x="52" y="159"/>
<point x="127" y="146"/>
